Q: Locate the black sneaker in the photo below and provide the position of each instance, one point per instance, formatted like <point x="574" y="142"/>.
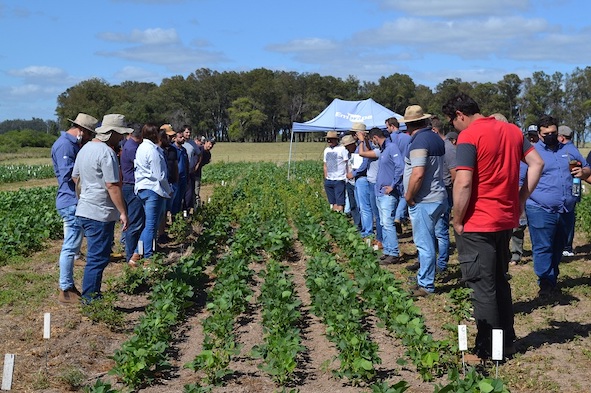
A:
<point x="391" y="260"/>
<point x="414" y="267"/>
<point x="546" y="289"/>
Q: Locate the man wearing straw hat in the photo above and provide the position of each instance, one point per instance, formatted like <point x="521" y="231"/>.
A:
<point x="335" y="160"/>
<point x="63" y="155"/>
<point x="96" y="172"/>
<point x="425" y="192"/>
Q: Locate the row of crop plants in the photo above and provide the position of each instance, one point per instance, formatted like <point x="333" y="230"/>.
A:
<point x="261" y="234"/>
<point x="248" y="221"/>
<point x="28" y="218"/>
<point x="22" y="172"/>
<point x="382" y="293"/>
<point x="174" y="289"/>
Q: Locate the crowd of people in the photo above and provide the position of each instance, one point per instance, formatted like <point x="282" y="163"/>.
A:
<point x="489" y="177"/>
<point x="110" y="172"/>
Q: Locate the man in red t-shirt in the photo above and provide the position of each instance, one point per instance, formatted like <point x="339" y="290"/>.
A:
<point x="487" y="202"/>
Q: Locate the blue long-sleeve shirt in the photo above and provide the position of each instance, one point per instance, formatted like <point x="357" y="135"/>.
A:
<point x="63" y="155"/>
<point x="390" y="169"/>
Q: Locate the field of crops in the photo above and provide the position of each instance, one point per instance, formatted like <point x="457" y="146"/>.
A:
<point x="265" y="290"/>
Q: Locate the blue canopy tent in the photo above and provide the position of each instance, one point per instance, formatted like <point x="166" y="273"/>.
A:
<point x="340" y="115"/>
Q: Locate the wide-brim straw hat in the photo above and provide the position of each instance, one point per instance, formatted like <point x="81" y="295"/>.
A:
<point x="347" y="140"/>
<point x="358" y="127"/>
<point x="85" y="121"/>
<point x="114" y="122"/>
<point x="414" y="113"/>
<point x="332" y="135"/>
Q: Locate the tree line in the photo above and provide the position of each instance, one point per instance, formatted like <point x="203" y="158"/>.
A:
<point x="260" y="105"/>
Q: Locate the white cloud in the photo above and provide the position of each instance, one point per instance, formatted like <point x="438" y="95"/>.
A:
<point x="455" y="8"/>
<point x="130" y="73"/>
<point x="156" y="36"/>
<point x="304" y="45"/>
<point x="176" y="58"/>
<point x="38" y="72"/>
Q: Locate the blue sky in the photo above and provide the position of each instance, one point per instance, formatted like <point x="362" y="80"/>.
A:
<point x="48" y="46"/>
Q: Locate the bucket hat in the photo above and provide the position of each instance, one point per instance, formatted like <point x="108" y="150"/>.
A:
<point x="85" y="121"/>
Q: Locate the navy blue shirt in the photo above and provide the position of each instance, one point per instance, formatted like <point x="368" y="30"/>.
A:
<point x="126" y="159"/>
<point x="183" y="160"/>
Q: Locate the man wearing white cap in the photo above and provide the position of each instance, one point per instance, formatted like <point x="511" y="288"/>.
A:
<point x="63" y="155"/>
<point x="96" y="173"/>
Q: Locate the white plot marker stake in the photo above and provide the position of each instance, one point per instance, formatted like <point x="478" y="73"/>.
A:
<point x="8" y="370"/>
<point x="497" y="348"/>
<point x="46" y="325"/>
<point x="463" y="343"/>
<point x="140" y="247"/>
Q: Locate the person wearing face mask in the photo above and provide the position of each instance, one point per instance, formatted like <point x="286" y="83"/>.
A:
<point x="550" y="207"/>
<point x="63" y="155"/>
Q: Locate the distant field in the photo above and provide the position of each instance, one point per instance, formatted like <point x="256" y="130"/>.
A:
<point x="223" y="151"/>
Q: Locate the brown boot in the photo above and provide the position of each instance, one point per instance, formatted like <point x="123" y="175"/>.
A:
<point x="69" y="296"/>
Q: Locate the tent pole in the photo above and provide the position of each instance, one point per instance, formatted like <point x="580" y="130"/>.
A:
<point x="289" y="161"/>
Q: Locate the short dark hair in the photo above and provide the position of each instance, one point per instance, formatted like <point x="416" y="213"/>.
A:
<point x="546" y="121"/>
<point x="437" y="123"/>
<point x="392" y="121"/>
<point x="417" y="125"/>
<point x="376" y="132"/>
<point x="460" y="102"/>
<point x="187" y="127"/>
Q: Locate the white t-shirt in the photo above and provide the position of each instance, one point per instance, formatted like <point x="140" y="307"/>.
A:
<point x="336" y="159"/>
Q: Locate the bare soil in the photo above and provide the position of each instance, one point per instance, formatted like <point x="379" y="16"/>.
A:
<point x="554" y="347"/>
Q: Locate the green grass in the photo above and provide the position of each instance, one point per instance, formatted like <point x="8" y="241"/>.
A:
<point x="22" y="288"/>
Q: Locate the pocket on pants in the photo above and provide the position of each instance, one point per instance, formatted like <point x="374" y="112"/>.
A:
<point x="469" y="267"/>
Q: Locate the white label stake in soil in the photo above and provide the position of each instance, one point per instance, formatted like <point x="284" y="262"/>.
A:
<point x="46" y="325"/>
<point x="497" y="344"/>
<point x="8" y="370"/>
<point x="462" y="338"/>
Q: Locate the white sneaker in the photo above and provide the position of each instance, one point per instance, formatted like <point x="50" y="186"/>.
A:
<point x="566" y="253"/>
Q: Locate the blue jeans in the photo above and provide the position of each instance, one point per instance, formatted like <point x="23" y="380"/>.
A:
<point x="570" y="231"/>
<point x="548" y="237"/>
<point x="177" y="199"/>
<point x="99" y="238"/>
<point x="135" y="220"/>
<point x="442" y="235"/>
<point x="387" y="208"/>
<point x="70" y="247"/>
<point x="152" y="204"/>
<point x="423" y="217"/>
<point x="374" y="208"/>
<point x="353" y="206"/>
<point x="365" y="211"/>
<point x="401" y="210"/>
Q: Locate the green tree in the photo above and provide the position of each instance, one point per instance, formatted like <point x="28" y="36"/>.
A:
<point x="245" y="117"/>
<point x="578" y="103"/>
<point x="94" y="97"/>
<point x="510" y="88"/>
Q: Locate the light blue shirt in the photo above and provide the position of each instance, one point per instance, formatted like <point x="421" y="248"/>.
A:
<point x="150" y="169"/>
<point x="554" y="190"/>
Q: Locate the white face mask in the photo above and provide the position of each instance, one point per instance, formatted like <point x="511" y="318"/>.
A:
<point x="79" y="138"/>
